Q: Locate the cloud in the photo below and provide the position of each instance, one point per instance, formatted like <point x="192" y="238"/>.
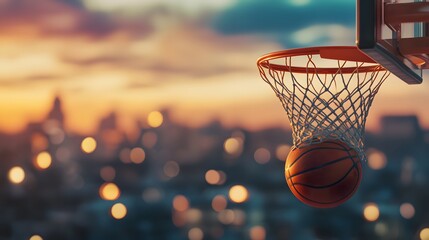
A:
<point x="62" y="18"/>
<point x="320" y="34"/>
<point x="279" y="18"/>
<point x="189" y="6"/>
<point x="194" y="54"/>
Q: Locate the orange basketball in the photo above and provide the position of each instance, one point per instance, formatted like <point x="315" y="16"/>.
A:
<point x="323" y="175"/>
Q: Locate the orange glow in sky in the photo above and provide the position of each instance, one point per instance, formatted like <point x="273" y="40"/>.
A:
<point x="133" y="67"/>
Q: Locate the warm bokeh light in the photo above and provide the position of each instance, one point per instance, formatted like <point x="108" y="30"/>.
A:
<point x="219" y="203"/>
<point x="35" y="237"/>
<point x="193" y="215"/>
<point x="222" y="175"/>
<point x="171" y="169"/>
<point x="107" y="173"/>
<point x="109" y="191"/>
<point x="124" y="155"/>
<point x="381" y="229"/>
<point x="88" y="145"/>
<point x="233" y="146"/>
<point x="195" y="234"/>
<point x="149" y="139"/>
<point x="282" y="151"/>
<point x="226" y="216"/>
<point x="238" y="194"/>
<point x="180" y="203"/>
<point x="257" y="233"/>
<point x="239" y="217"/>
<point x="376" y="159"/>
<point x="43" y="160"/>
<point x="407" y="210"/>
<point x="262" y="155"/>
<point x="424" y="234"/>
<point x="179" y="219"/>
<point x="155" y="119"/>
<point x="212" y="177"/>
<point x="118" y="211"/>
<point x="371" y="212"/>
<point x="38" y="142"/>
<point x="16" y="175"/>
<point x="56" y="136"/>
<point x="137" y="155"/>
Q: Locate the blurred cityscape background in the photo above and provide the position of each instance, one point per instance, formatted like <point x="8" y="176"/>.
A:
<point x="211" y="182"/>
<point x="128" y="119"/>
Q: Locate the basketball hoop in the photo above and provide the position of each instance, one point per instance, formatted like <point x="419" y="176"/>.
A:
<point x="327" y="99"/>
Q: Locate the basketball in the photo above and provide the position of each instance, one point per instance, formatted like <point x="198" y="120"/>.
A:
<point x="323" y="175"/>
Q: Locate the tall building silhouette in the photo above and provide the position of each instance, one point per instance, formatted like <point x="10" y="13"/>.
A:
<point x="56" y="112"/>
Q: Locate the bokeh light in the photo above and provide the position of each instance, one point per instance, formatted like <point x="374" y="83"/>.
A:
<point x="118" y="211"/>
<point x="195" y="234"/>
<point x="16" y="175"/>
<point x="226" y="216"/>
<point x="35" y="237"/>
<point x="57" y="136"/>
<point x="257" y="233"/>
<point x="212" y="177"/>
<point x="109" y="191"/>
<point x="219" y="203"/>
<point x="282" y="151"/>
<point x="107" y="173"/>
<point x="179" y="219"/>
<point x="171" y="169"/>
<point x="424" y="234"/>
<point x="239" y="217"/>
<point x="238" y="194"/>
<point x="124" y="155"/>
<point x="38" y="142"/>
<point x="180" y="203"/>
<point x="376" y="159"/>
<point x="137" y="155"/>
<point x="88" y="145"/>
<point x="43" y="160"/>
<point x="155" y="119"/>
<point x="222" y="175"/>
<point x="371" y="212"/>
<point x="233" y="146"/>
<point x="407" y="210"/>
<point x="381" y="229"/>
<point x="149" y="139"/>
<point x="262" y="155"/>
<point x="194" y="215"/>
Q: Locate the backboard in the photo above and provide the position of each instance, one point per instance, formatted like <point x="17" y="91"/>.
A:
<point x="396" y="35"/>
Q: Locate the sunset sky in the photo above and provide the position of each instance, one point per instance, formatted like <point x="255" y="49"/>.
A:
<point x="194" y="57"/>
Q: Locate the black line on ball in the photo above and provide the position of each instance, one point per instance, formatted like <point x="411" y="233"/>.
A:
<point x="324" y="203"/>
<point x="321" y="166"/>
<point x="328" y="185"/>
<point x="313" y="149"/>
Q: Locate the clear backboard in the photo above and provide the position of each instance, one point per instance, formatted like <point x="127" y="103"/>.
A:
<point x="394" y="34"/>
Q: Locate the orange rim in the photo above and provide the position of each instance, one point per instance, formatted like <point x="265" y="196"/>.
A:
<point x="344" y="53"/>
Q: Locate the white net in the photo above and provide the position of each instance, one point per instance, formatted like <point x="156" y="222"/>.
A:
<point x="322" y="105"/>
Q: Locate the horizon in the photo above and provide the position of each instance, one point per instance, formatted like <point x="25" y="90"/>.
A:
<point x="129" y="124"/>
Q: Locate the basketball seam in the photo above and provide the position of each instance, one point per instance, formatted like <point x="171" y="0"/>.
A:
<point x="329" y="185"/>
<point x="322" y="166"/>
<point x="313" y="149"/>
<point x="322" y="203"/>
